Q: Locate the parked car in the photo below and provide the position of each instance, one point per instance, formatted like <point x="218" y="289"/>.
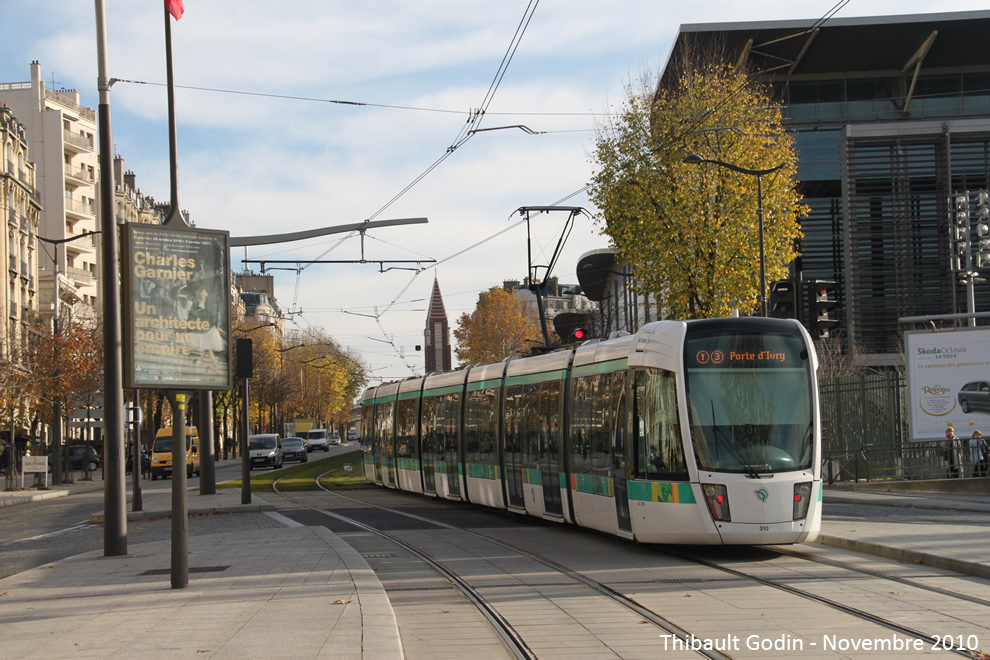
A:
<point x="294" y="449"/>
<point x="317" y="439"/>
<point x="76" y="454"/>
<point x="265" y="449"/>
<point x="334" y="439"/>
<point x="975" y="396"/>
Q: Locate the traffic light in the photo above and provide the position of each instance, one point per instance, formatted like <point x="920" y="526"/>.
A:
<point x="819" y="305"/>
<point x="982" y="216"/>
<point x="245" y="358"/>
<point x="960" y="233"/>
<point x="783" y="299"/>
<point x="573" y="327"/>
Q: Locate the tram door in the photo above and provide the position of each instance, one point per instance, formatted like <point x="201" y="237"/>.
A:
<point x="429" y="464"/>
<point x="621" y="456"/>
<point x="549" y="405"/>
<point x="429" y="445"/>
<point x="513" y="449"/>
<point x="447" y="423"/>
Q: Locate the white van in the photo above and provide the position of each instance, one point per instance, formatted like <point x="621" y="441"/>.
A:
<point x="317" y="439"/>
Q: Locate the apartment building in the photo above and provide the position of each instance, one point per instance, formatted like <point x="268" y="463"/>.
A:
<point x="62" y="140"/>
<point x="20" y="205"/>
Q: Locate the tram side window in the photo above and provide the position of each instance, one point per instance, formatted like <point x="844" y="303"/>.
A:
<point x="480" y="427"/>
<point x="383" y="427"/>
<point x="660" y="452"/>
<point x="428" y="428"/>
<point x="405" y="427"/>
<point x="581" y="421"/>
<point x="593" y="415"/>
<point x="447" y="421"/>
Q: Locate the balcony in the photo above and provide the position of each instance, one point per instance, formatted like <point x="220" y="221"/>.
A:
<point x="80" y="176"/>
<point x="77" y="142"/>
<point x="79" y="208"/>
<point x="78" y="274"/>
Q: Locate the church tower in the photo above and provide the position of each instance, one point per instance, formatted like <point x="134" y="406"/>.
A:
<point x="437" y="333"/>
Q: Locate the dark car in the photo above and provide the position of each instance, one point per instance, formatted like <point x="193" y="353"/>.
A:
<point x="76" y="456"/>
<point x="294" y="449"/>
<point x="975" y="396"/>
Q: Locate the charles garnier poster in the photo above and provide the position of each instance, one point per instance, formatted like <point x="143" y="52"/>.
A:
<point x="176" y="318"/>
<point x="948" y="381"/>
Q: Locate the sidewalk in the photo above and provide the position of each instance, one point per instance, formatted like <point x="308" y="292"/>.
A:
<point x="955" y="547"/>
<point x="274" y="593"/>
<point x="302" y="592"/>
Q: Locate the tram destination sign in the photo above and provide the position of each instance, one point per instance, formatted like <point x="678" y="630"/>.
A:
<point x="948" y="382"/>
<point x="176" y="308"/>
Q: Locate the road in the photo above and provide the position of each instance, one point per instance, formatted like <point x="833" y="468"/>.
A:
<point x="42" y="532"/>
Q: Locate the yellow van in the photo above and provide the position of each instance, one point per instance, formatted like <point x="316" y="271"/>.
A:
<point x="161" y="453"/>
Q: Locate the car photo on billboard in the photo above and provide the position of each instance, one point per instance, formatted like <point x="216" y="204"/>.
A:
<point x="975" y="396"/>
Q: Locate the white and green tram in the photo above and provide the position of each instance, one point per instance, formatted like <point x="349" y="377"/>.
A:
<point x="694" y="432"/>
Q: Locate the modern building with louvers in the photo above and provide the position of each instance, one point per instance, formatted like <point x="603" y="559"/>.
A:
<point x="891" y="119"/>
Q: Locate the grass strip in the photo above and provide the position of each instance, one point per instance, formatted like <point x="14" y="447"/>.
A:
<point x="302" y="476"/>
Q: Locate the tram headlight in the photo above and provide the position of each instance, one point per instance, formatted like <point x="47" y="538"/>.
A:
<point x="802" y="499"/>
<point x="718" y="501"/>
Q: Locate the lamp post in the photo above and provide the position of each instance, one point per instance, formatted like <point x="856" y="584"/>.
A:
<point x="56" y="333"/>
<point x="695" y="159"/>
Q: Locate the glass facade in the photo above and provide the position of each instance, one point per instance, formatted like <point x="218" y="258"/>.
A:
<point x="878" y="162"/>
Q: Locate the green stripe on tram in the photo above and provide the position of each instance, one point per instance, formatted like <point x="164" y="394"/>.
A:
<point x="587" y="483"/>
<point x="483" y="471"/>
<point x="484" y="384"/>
<point x="653" y="491"/>
<point x="600" y="368"/>
<point x="405" y="396"/>
<point x="531" y="379"/>
<point x="408" y="464"/>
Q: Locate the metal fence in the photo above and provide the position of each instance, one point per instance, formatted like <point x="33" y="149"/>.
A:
<point x="865" y="434"/>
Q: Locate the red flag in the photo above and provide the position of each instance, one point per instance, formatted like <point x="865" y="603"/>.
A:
<point x="174" y="7"/>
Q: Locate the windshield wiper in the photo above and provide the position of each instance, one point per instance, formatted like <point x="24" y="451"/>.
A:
<point x="750" y="471"/>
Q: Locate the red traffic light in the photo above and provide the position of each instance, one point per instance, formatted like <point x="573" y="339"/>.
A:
<point x="579" y="333"/>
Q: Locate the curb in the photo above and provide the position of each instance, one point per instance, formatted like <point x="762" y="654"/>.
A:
<point x="98" y="518"/>
<point x="902" y="503"/>
<point x="11" y="500"/>
<point x="907" y="556"/>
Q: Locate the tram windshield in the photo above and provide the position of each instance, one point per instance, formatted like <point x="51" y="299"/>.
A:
<point x="750" y="402"/>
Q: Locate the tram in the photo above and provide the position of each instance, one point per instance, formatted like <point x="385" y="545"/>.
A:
<point x="686" y="432"/>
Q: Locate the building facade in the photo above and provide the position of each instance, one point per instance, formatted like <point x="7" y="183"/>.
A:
<point x="891" y="120"/>
<point x="62" y="137"/>
<point x="20" y="206"/>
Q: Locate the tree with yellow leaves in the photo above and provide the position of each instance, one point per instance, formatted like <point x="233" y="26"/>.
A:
<point x="497" y="329"/>
<point x="691" y="230"/>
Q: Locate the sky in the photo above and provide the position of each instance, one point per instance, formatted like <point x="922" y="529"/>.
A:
<point x="263" y="149"/>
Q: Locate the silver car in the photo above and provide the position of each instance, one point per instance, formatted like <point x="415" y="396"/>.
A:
<point x="975" y="396"/>
<point x="265" y="450"/>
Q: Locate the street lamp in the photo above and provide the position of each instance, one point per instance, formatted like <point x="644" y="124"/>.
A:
<point x="695" y="159"/>
<point x="56" y="333"/>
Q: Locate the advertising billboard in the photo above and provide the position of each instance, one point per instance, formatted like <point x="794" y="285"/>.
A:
<point x="948" y="381"/>
<point x="176" y="308"/>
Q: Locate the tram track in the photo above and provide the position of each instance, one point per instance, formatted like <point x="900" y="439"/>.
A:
<point x="503" y="627"/>
<point x="877" y="574"/>
<point x="894" y="626"/>
<point x="614" y="591"/>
